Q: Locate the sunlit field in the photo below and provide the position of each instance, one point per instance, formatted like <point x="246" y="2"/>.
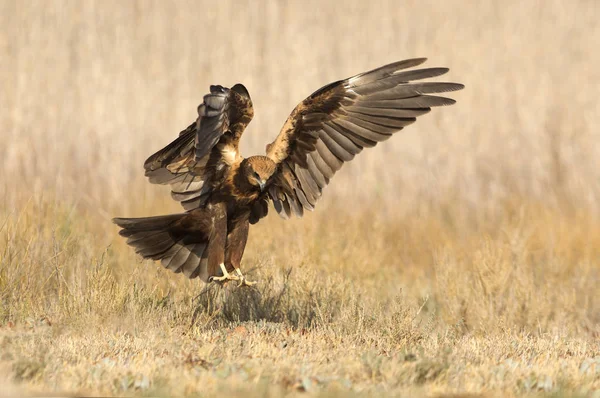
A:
<point x="459" y="258"/>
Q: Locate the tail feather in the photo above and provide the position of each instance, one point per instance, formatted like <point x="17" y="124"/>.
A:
<point x="132" y="237"/>
<point x="178" y="257"/>
<point x="170" y="238"/>
<point x="155" y="238"/>
<point x="198" y="255"/>
<point x="155" y="248"/>
<point x="147" y="223"/>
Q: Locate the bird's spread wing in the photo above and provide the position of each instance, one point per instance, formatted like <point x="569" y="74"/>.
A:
<point x="194" y="161"/>
<point x="337" y="121"/>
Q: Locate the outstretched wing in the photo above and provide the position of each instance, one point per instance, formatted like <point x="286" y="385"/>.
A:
<point x="194" y="162"/>
<point x="337" y="121"/>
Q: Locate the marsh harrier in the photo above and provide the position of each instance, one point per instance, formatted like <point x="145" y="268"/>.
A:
<point x="223" y="192"/>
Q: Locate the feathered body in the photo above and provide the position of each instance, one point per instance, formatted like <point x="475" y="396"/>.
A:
<point x="224" y="193"/>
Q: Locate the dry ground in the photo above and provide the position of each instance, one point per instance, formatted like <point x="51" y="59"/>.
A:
<point x="460" y="257"/>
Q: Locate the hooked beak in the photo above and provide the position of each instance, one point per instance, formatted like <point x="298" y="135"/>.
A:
<point x="262" y="184"/>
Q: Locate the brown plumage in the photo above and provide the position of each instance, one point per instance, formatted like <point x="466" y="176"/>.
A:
<point x="223" y="193"/>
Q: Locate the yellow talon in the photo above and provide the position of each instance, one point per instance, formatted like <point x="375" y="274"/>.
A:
<point x="242" y="279"/>
<point x="226" y="276"/>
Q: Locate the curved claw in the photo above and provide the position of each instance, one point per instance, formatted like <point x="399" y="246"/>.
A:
<point x="243" y="280"/>
<point x="225" y="278"/>
<point x="246" y="282"/>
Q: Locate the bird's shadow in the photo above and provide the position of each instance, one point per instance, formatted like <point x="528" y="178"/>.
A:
<point x="218" y="305"/>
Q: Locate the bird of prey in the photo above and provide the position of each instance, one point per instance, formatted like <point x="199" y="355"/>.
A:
<point x="223" y="193"/>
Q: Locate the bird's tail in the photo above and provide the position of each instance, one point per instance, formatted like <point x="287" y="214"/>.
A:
<point x="170" y="238"/>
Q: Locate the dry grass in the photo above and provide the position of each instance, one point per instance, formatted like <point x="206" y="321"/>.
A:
<point x="461" y="257"/>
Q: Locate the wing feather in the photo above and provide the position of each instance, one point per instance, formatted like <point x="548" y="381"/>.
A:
<point x="315" y="173"/>
<point x="341" y="140"/>
<point x="322" y="166"/>
<point x="333" y="162"/>
<point x="308" y="185"/>
<point x="195" y="161"/>
<point x="337" y="121"/>
<point x="361" y="132"/>
<point x="388" y="112"/>
<point x="397" y="122"/>
<point x="336" y="149"/>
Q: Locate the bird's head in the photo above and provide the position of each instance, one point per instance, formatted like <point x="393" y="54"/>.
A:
<point x="258" y="170"/>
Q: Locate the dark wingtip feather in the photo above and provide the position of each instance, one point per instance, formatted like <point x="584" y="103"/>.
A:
<point x="419" y="74"/>
<point x="383" y="72"/>
<point x="404" y="64"/>
<point x="435" y="87"/>
<point x="443" y="87"/>
<point x="241" y="90"/>
<point x="446" y="101"/>
<point x="413" y="62"/>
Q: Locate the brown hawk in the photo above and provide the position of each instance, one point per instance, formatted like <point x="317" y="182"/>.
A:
<point x="223" y="192"/>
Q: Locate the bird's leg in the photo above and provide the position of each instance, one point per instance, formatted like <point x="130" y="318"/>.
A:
<point x="243" y="280"/>
<point x="226" y="276"/>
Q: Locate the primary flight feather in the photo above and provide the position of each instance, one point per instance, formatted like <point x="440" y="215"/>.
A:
<point x="223" y="192"/>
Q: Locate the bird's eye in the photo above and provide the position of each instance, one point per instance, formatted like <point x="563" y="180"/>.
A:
<point x="256" y="175"/>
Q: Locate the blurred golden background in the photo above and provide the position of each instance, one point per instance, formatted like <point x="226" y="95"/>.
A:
<point x="482" y="216"/>
<point x="90" y="89"/>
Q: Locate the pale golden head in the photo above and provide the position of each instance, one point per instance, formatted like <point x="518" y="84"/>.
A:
<point x="258" y="170"/>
